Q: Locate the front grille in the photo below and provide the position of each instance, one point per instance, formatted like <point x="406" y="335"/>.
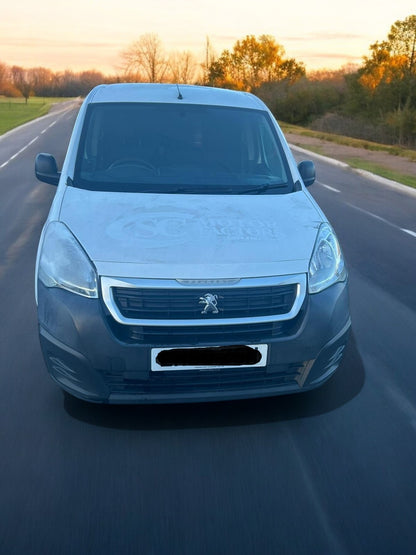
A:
<point x="184" y="304"/>
<point x="190" y="381"/>
<point x="163" y="336"/>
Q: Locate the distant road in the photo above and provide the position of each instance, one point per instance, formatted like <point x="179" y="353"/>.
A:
<point x="328" y="472"/>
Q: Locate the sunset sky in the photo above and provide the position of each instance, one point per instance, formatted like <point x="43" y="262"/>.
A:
<point x="86" y="34"/>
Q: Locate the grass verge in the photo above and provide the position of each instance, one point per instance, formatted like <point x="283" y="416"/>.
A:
<point x="15" y="111"/>
<point x="361" y="164"/>
<point x="349" y="141"/>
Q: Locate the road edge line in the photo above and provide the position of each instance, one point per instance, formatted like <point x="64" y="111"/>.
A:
<point x="382" y="180"/>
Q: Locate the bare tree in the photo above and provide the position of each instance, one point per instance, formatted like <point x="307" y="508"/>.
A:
<point x="20" y="78"/>
<point x="41" y="80"/>
<point x="145" y="59"/>
<point x="182" y="67"/>
<point x="210" y="57"/>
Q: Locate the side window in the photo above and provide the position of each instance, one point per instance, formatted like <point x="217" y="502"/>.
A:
<point x="254" y="150"/>
<point x="92" y="143"/>
<point x="263" y="156"/>
<point x="270" y="153"/>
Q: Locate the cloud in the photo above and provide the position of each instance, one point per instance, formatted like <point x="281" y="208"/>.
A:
<point x="225" y="38"/>
<point x="323" y="36"/>
<point x="34" y="42"/>
<point x="329" y="55"/>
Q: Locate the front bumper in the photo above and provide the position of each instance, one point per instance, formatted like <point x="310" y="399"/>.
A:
<point x="88" y="356"/>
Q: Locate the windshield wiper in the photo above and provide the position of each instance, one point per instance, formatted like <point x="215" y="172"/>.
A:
<point x="263" y="188"/>
<point x="203" y="190"/>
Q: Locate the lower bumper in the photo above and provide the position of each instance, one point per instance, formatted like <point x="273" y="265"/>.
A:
<point x="84" y="358"/>
<point x="73" y="372"/>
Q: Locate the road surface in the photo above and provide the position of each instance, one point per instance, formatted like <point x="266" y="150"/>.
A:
<point x="328" y="472"/>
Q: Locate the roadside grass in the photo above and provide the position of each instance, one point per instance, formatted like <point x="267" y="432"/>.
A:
<point x="361" y="164"/>
<point x="15" y="111"/>
<point x="348" y="141"/>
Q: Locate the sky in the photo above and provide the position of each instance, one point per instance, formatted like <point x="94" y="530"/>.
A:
<point x="91" y="34"/>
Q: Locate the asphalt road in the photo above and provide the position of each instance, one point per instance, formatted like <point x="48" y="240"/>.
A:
<point x="328" y="472"/>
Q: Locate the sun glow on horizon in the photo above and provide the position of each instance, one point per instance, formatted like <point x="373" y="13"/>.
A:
<point x="92" y="34"/>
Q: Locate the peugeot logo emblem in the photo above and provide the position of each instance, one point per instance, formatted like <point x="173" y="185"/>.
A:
<point x="210" y="303"/>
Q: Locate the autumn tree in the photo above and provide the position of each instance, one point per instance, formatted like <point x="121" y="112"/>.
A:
<point x="385" y="87"/>
<point x="402" y="42"/>
<point x="3" y="76"/>
<point x="145" y="60"/>
<point x="251" y="62"/>
<point x="390" y="70"/>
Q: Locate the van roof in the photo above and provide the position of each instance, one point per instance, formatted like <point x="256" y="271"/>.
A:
<point x="168" y="93"/>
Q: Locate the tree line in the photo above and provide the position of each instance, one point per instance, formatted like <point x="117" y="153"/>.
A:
<point x="374" y="101"/>
<point x="16" y="81"/>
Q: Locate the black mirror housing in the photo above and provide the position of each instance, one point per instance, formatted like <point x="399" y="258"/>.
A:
<point x="46" y="169"/>
<point x="307" y="172"/>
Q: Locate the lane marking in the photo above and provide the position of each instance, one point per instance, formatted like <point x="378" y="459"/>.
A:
<point x="379" y="218"/>
<point x="60" y="115"/>
<point x="16" y="154"/>
<point x="328" y="187"/>
<point x="57" y="113"/>
<point x="408" y="231"/>
<point x="372" y="215"/>
<point x="28" y="144"/>
<point x="412" y="233"/>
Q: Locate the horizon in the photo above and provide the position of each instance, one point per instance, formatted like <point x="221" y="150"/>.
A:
<point x="94" y="35"/>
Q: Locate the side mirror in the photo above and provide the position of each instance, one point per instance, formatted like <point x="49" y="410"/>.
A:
<point x="46" y="169"/>
<point x="307" y="172"/>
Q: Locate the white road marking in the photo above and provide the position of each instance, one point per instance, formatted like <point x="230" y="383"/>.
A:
<point x="46" y="128"/>
<point x="60" y="115"/>
<point x="19" y="152"/>
<point x="408" y="231"/>
<point x="372" y="215"/>
<point x="328" y="187"/>
<point x="413" y="233"/>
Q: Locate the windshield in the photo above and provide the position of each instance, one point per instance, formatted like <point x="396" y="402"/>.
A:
<point x="171" y="148"/>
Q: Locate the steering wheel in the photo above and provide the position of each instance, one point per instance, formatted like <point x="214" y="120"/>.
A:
<point x="132" y="162"/>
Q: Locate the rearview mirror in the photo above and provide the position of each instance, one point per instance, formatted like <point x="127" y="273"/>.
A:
<point x="307" y="172"/>
<point x="46" y="169"/>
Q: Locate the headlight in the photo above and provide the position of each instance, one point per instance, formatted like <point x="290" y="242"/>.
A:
<point x="327" y="263"/>
<point x="63" y="263"/>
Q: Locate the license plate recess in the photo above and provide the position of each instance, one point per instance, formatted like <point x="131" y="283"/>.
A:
<point x="208" y="358"/>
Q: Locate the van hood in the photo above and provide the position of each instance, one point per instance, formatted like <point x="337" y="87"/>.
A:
<point x="193" y="236"/>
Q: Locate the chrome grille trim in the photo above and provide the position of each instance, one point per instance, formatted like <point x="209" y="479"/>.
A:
<point x="107" y="283"/>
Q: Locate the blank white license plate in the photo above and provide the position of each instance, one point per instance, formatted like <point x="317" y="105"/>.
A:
<point x="209" y="358"/>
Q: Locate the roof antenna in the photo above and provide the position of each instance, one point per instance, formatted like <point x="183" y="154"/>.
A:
<point x="180" y="97"/>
